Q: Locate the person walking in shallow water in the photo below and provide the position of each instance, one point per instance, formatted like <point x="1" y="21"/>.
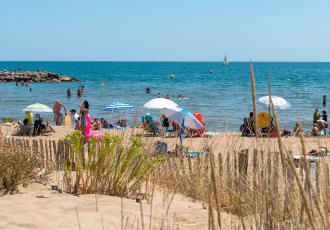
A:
<point x="68" y="92"/>
<point x="324" y="100"/>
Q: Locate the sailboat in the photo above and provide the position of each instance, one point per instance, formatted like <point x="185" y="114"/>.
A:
<point x="225" y="60"/>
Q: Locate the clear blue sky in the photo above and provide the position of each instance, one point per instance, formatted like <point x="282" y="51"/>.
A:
<point x="155" y="30"/>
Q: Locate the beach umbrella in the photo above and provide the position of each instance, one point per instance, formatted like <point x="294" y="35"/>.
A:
<point x="117" y="106"/>
<point x="38" y="108"/>
<point x="278" y="102"/>
<point x="160" y="103"/>
<point x="183" y="117"/>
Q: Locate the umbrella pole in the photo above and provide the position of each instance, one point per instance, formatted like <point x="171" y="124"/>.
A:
<point x="181" y="131"/>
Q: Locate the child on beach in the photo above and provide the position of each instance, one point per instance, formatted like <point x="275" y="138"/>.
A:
<point x="76" y="118"/>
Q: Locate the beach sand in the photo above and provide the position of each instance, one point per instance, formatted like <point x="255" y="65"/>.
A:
<point x="38" y="207"/>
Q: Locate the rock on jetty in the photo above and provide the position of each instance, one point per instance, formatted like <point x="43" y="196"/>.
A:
<point x="33" y="76"/>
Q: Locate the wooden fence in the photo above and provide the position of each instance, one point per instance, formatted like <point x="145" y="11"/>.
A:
<point x="54" y="152"/>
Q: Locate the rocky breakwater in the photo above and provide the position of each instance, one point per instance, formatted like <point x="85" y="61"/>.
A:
<point x="34" y="76"/>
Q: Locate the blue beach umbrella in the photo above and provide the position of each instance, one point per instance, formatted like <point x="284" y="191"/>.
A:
<point x="117" y="106"/>
<point x="183" y="117"/>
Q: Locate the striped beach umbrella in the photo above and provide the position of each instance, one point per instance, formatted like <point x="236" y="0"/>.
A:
<point x="38" y="108"/>
<point x="117" y="106"/>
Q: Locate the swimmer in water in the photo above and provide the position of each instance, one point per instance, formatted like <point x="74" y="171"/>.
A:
<point x="183" y="97"/>
<point x="30" y="89"/>
<point x="68" y="92"/>
<point x="158" y="95"/>
<point x="167" y="96"/>
<point x="148" y="89"/>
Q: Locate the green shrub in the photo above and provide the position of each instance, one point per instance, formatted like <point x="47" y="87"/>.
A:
<point x="108" y="167"/>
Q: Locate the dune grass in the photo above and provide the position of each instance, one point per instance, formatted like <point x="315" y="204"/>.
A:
<point x="108" y="167"/>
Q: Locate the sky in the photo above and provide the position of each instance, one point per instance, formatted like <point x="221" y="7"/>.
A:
<point x="168" y="30"/>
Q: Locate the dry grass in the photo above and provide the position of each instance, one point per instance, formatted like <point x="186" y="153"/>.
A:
<point x="253" y="184"/>
<point x="18" y="166"/>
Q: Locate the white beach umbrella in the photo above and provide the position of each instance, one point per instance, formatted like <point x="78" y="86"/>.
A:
<point x="160" y="103"/>
<point x="278" y="102"/>
<point x="38" y="108"/>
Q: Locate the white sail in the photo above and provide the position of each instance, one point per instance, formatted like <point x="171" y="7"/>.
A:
<point x="225" y="61"/>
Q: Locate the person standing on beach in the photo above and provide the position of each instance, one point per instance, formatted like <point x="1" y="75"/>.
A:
<point x="84" y="109"/>
<point x="58" y="116"/>
<point x="325" y="118"/>
<point x="324" y="100"/>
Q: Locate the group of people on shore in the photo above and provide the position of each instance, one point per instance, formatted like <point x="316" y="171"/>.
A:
<point x="320" y="125"/>
<point x="96" y="124"/>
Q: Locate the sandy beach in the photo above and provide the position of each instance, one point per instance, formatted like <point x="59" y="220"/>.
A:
<point x="38" y="207"/>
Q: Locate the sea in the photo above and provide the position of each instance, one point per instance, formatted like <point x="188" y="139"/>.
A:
<point x="221" y="93"/>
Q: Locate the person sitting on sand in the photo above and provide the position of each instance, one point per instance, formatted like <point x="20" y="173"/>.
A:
<point x="315" y="130"/>
<point x="96" y="125"/>
<point x="25" y="129"/>
<point x="298" y="129"/>
<point x="105" y="124"/>
<point x="39" y="128"/>
<point x="321" y="124"/>
<point x="251" y="123"/>
<point x="58" y="116"/>
<point x="244" y="128"/>
<point x="165" y="122"/>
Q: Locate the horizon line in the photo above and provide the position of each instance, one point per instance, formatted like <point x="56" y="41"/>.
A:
<point x="156" y="61"/>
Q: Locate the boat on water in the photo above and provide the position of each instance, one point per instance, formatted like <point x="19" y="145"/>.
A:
<point x="225" y="60"/>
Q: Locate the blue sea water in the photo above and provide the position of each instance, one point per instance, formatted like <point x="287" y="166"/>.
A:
<point x="223" y="97"/>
